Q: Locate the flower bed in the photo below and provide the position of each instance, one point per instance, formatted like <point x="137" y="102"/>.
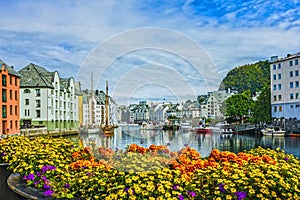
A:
<point x="63" y="169"/>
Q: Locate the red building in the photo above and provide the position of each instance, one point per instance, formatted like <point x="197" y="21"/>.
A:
<point x="10" y="100"/>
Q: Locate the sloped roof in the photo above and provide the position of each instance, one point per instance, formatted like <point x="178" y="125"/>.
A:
<point x="36" y="76"/>
<point x="10" y="69"/>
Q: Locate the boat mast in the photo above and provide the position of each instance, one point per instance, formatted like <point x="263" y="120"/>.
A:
<point x="106" y="104"/>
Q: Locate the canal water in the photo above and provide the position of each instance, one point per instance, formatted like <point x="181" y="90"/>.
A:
<point x="204" y="143"/>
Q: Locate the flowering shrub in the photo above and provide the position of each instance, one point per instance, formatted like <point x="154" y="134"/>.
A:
<point x="61" y="169"/>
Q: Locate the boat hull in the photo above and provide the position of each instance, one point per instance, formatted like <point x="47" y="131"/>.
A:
<point x="280" y="133"/>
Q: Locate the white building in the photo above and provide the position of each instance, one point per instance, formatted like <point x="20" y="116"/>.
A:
<point x="210" y="106"/>
<point x="285" y="100"/>
<point x="46" y="100"/>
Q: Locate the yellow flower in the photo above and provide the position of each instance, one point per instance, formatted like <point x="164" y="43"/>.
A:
<point x="228" y="197"/>
<point x="233" y="190"/>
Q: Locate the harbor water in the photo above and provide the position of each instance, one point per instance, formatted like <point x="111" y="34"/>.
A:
<point x="203" y="143"/>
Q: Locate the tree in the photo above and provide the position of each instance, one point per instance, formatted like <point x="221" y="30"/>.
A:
<point x="237" y="106"/>
<point x="262" y="107"/>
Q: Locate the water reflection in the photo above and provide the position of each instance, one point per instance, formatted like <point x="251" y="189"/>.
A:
<point x="176" y="140"/>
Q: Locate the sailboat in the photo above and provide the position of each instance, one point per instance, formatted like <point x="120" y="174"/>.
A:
<point x="107" y="128"/>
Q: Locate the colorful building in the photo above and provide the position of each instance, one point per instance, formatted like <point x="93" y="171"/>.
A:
<point x="10" y="102"/>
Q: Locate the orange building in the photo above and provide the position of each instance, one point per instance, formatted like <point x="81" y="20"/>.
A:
<point x="10" y="101"/>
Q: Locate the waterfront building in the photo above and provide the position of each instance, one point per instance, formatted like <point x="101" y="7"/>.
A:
<point x="285" y="78"/>
<point x="160" y="112"/>
<point x="93" y="108"/>
<point x="139" y="113"/>
<point x="47" y="100"/>
<point x="211" y="103"/>
<point x="10" y="102"/>
<point x="191" y="109"/>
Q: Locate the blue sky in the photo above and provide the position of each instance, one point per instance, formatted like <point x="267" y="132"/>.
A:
<point x="159" y="50"/>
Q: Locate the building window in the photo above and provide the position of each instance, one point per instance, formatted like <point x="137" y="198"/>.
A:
<point x="275" y="108"/>
<point x="16" y="124"/>
<point x="291" y="96"/>
<point x="3" y="95"/>
<point x="296" y="61"/>
<point x="280" y="108"/>
<point x="296" y="84"/>
<point x="279" y="65"/>
<point x="274" y="66"/>
<point x="274" y="77"/>
<point x="279" y="97"/>
<point x="38" y="103"/>
<point x="292" y="106"/>
<point x="279" y="76"/>
<point x="275" y="98"/>
<point x="296" y="72"/>
<point x="26" y="102"/>
<point x="279" y="86"/>
<point x="10" y="80"/>
<point x="38" y="113"/>
<point x="291" y="63"/>
<point x="16" y="95"/>
<point x="4" y="112"/>
<point x="3" y="80"/>
<point x="274" y="87"/>
<point x="291" y="84"/>
<point x="16" y="110"/>
<point x="10" y="109"/>
<point x="26" y="91"/>
<point x="291" y="73"/>
<point x="16" y="82"/>
<point x="27" y="112"/>
<point x="38" y="92"/>
<point x="296" y="95"/>
<point x="10" y="94"/>
<point x="11" y="124"/>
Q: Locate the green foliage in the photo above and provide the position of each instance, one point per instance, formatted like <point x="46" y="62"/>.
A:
<point x="238" y="106"/>
<point x="253" y="77"/>
<point x="262" y="107"/>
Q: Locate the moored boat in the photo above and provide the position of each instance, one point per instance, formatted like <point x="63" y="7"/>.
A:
<point x="202" y="129"/>
<point x="273" y="131"/>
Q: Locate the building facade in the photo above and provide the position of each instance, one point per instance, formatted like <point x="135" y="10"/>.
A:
<point x="10" y="101"/>
<point x="47" y="100"/>
<point x="285" y="78"/>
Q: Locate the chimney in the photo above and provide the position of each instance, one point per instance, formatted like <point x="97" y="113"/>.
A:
<point x="288" y="55"/>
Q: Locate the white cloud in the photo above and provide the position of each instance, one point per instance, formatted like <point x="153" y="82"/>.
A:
<point x="61" y="35"/>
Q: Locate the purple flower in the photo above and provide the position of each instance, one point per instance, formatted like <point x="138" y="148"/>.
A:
<point x="30" y="177"/>
<point x="175" y="187"/>
<point x="38" y="174"/>
<point x="193" y="194"/>
<point x="186" y="145"/>
<point x="240" y="195"/>
<point x="46" y="168"/>
<point x="48" y="193"/>
<point x="168" y="143"/>
<point x="126" y="189"/>
<point x="221" y="187"/>
<point x="286" y="158"/>
<point x="181" y="197"/>
<point x="44" y="178"/>
<point x="67" y="185"/>
<point x="47" y="187"/>
<point x="3" y="154"/>
<point x="36" y="183"/>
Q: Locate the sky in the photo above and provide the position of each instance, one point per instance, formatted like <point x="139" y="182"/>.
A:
<point x="147" y="50"/>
